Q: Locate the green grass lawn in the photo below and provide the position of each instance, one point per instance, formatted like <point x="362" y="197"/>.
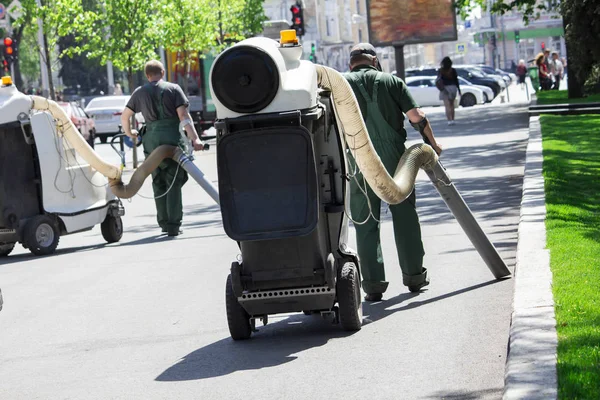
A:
<point x="572" y="174"/>
<point x="561" y="97"/>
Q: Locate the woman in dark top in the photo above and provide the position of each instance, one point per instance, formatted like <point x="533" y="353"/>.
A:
<point x="447" y="83"/>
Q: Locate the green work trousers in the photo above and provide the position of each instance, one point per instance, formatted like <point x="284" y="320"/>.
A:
<point x="389" y="145"/>
<point x="169" y="177"/>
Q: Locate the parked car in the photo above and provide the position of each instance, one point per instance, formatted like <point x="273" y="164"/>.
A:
<point x="475" y="77"/>
<point x="425" y="93"/>
<point x="488" y="94"/>
<point x="81" y="120"/>
<point x="508" y="76"/>
<point x="106" y="112"/>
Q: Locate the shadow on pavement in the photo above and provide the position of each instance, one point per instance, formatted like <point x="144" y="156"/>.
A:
<point x="274" y="344"/>
<point x="379" y="310"/>
<point x="494" y="393"/>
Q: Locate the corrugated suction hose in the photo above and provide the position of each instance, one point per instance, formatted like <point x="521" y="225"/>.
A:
<point x="67" y="129"/>
<point x="392" y="190"/>
<point x="395" y="190"/>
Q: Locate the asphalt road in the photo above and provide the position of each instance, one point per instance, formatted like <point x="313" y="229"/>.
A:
<point x="145" y="318"/>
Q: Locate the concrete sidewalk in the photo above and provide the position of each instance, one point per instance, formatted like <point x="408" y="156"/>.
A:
<point x="531" y="362"/>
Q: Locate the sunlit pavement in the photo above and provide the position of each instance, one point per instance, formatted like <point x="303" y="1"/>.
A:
<point x="145" y="318"/>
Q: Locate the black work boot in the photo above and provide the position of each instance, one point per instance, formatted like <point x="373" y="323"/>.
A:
<point x="174" y="231"/>
<point x="417" y="288"/>
<point x="374" y="297"/>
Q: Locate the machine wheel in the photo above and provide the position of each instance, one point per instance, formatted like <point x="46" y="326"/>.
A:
<point x="468" y="100"/>
<point x="6" y="248"/>
<point x="349" y="299"/>
<point x="41" y="235"/>
<point x="237" y="318"/>
<point x="112" y="229"/>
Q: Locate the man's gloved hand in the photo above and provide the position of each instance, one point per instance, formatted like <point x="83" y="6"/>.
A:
<point x="133" y="135"/>
<point x="198" y="145"/>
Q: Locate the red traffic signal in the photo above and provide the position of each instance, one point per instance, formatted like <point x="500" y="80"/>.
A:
<point x="297" y="19"/>
<point x="10" y="51"/>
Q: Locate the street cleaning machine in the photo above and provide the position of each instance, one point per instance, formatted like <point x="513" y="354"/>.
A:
<point x="284" y="130"/>
<point x="53" y="183"/>
<point x="46" y="189"/>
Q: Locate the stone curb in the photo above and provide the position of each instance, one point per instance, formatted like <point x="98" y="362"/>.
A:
<point x="531" y="362"/>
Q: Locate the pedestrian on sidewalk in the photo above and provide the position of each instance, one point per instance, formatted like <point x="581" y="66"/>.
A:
<point x="384" y="99"/>
<point x="521" y="73"/>
<point x="557" y="70"/>
<point x="164" y="106"/>
<point x="544" y="75"/>
<point x="447" y="84"/>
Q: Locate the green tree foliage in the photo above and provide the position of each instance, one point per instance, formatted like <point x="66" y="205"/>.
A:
<point x="188" y="28"/>
<point x="125" y="32"/>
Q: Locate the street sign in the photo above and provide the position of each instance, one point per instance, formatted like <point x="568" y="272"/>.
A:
<point x="4" y="23"/>
<point x="2" y="11"/>
<point x="467" y="24"/>
<point x="461" y="48"/>
<point x="14" y="9"/>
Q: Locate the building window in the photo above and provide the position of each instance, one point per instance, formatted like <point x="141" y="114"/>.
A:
<point x="328" y="28"/>
<point x="358" y="6"/>
<point x="360" y="35"/>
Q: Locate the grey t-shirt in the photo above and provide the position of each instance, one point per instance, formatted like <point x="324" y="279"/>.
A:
<point x="173" y="98"/>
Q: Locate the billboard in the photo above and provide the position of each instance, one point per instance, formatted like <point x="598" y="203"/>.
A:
<point x="400" y="22"/>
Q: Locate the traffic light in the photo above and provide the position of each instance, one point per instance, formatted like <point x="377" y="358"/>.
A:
<point x="9" y="52"/>
<point x="313" y="53"/>
<point x="543" y="46"/>
<point x="297" y="19"/>
<point x="517" y="36"/>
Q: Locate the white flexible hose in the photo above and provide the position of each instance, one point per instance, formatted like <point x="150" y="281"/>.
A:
<point x="392" y="190"/>
<point x="67" y="129"/>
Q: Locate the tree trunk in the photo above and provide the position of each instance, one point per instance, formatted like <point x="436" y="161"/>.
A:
<point x="49" y="68"/>
<point x="130" y="79"/>
<point x="18" y="76"/>
<point x="574" y="87"/>
<point x="186" y="71"/>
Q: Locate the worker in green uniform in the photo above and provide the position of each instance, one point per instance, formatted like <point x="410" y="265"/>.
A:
<point x="383" y="100"/>
<point x="164" y="107"/>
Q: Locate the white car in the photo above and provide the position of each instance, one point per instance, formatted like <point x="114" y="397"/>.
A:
<point x="425" y="93"/>
<point x="488" y="93"/>
<point x="106" y="112"/>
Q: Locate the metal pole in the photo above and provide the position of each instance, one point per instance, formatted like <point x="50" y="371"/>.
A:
<point x="503" y="40"/>
<point x="399" y="53"/>
<point x="467" y="221"/>
<point x="111" y="78"/>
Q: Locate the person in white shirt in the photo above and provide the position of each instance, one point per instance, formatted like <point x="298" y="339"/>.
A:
<point x="557" y="70"/>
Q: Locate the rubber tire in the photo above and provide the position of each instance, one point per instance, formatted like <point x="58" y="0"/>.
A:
<point x="6" y="249"/>
<point x="237" y="318"/>
<point x="29" y="235"/>
<point x="349" y="297"/>
<point x="468" y="100"/>
<point x="112" y="229"/>
<point x="485" y="98"/>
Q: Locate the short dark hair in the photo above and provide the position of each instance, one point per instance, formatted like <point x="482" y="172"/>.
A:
<point x="359" y="59"/>
<point x="154" y="67"/>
